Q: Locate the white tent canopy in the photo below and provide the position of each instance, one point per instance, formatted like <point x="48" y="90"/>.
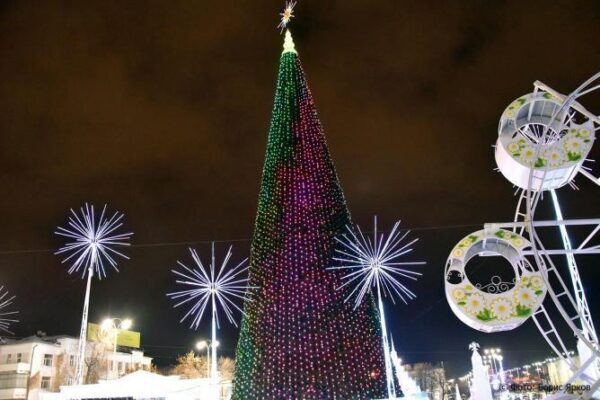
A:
<point x="143" y="385"/>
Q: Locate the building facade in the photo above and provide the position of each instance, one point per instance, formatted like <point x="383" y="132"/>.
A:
<point x="34" y="365"/>
<point x="431" y="378"/>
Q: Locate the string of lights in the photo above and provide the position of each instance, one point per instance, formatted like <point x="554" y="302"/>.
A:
<point x="186" y="243"/>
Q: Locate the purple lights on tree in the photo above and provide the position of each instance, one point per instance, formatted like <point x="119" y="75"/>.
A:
<point x="299" y="339"/>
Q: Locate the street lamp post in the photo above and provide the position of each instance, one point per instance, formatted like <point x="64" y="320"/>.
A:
<point x="210" y="347"/>
<point x="494" y="358"/>
<point x="30" y="371"/>
<point x="201" y="346"/>
<point x="500" y="358"/>
<point x="114" y="325"/>
<point x="526" y="372"/>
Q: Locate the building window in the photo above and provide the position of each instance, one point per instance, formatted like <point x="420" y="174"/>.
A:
<point x="71" y="361"/>
<point x="45" y="382"/>
<point x="11" y="380"/>
<point x="8" y="358"/>
<point x="120" y="365"/>
<point x="48" y="360"/>
<point x="19" y="357"/>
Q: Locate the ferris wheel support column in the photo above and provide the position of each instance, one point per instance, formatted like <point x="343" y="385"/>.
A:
<point x="590" y="176"/>
<point x="587" y="325"/>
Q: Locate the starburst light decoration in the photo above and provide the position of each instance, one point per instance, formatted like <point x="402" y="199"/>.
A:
<point x="92" y="247"/>
<point x="6" y="316"/>
<point x="94" y="241"/>
<point x="373" y="263"/>
<point x="203" y="284"/>
<point x="287" y="14"/>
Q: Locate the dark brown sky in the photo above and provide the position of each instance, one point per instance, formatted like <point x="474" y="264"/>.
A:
<point x="161" y="109"/>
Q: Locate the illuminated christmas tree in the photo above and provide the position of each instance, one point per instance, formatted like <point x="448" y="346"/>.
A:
<point x="299" y="339"/>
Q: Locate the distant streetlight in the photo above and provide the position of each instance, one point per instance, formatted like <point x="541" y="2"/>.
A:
<point x="113" y="326"/>
<point x="494" y="358"/>
<point x="208" y="345"/>
<point x="201" y="345"/>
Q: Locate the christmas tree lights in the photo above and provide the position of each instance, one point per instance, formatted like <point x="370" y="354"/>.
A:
<point x="299" y="338"/>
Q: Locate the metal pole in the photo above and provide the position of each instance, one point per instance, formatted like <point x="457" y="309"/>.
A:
<point x="116" y="334"/>
<point x="386" y="351"/>
<point x="84" y="319"/>
<point x="497" y="366"/>
<point x="208" y="361"/>
<point x="214" y="372"/>
<point x="30" y="371"/>
<point x="389" y="379"/>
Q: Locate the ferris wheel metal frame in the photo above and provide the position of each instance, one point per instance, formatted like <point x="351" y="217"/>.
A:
<point x="568" y="301"/>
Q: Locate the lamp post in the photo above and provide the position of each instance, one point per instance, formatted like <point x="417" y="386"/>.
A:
<point x="526" y="372"/>
<point x="213" y="352"/>
<point x="113" y="326"/>
<point x="30" y="371"/>
<point x="500" y="358"/>
<point x="494" y="358"/>
<point x="201" y="345"/>
<point x="210" y="347"/>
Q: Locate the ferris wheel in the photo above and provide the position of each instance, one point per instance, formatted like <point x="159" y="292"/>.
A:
<point x="544" y="140"/>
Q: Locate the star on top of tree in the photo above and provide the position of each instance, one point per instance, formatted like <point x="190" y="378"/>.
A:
<point x="287" y="14"/>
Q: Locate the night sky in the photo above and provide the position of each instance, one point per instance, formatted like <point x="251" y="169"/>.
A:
<point x="161" y="110"/>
